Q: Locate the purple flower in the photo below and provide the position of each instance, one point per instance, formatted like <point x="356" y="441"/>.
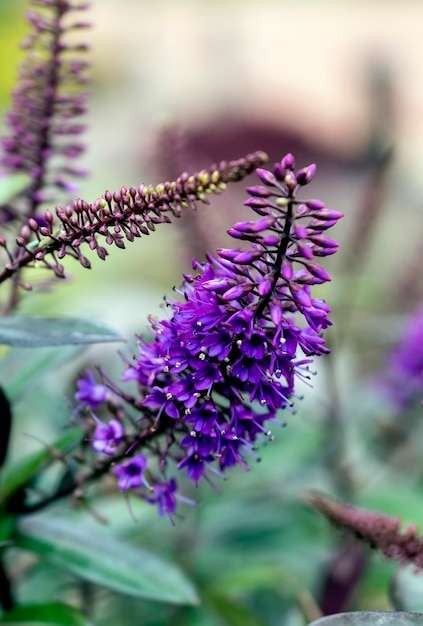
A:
<point x="90" y="392"/>
<point x="164" y="495"/>
<point x="225" y="360"/>
<point x="195" y="465"/>
<point x="130" y="475"/>
<point x="107" y="437"/>
<point x="233" y="339"/>
<point x="162" y="400"/>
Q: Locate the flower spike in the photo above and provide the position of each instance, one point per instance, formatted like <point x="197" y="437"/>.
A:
<point x="381" y="532"/>
<point x="117" y="217"/>
<point x="225" y="360"/>
<point x="43" y="136"/>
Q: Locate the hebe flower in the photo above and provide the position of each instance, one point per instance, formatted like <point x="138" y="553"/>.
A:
<point x="91" y="393"/>
<point x="130" y="474"/>
<point x="244" y="326"/>
<point x="107" y="437"/>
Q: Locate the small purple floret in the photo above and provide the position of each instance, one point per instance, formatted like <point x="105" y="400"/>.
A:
<point x="130" y="475"/>
<point x="107" y="437"/>
<point x="90" y="392"/>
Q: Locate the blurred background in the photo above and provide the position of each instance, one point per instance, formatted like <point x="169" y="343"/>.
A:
<point x="180" y="84"/>
<point x="335" y="83"/>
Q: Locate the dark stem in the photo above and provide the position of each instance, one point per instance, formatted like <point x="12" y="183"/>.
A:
<point x="66" y="488"/>
<point x="283" y="246"/>
<point x="6" y="597"/>
<point x="50" y="94"/>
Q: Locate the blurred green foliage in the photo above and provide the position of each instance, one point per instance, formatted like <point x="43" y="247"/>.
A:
<point x="12" y="31"/>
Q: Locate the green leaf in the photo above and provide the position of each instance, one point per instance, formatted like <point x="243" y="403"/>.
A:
<point x="53" y="614"/>
<point x="29" y="332"/>
<point x="22" y="370"/>
<point x="11" y="185"/>
<point x="104" y="560"/>
<point x="20" y="474"/>
<point x="370" y="618"/>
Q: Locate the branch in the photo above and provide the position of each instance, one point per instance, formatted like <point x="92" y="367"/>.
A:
<point x="114" y="217"/>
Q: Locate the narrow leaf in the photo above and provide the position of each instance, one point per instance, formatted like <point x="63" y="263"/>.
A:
<point x="22" y="370"/>
<point x="104" y="560"/>
<point x="29" y="332"/>
<point x="54" y="614"/>
<point x="19" y="474"/>
<point x="370" y="618"/>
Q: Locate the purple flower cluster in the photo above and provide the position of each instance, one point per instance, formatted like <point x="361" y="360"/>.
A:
<point x="225" y="360"/>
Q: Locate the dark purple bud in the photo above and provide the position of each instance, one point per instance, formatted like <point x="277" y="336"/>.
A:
<point x="266" y="177"/>
<point x="33" y="224"/>
<point x="270" y="240"/>
<point x="48" y="216"/>
<point x="323" y="241"/>
<point x="321" y="224"/>
<point x="305" y="251"/>
<point x="316" y="270"/>
<point x="227" y="253"/>
<point x="302" y="277"/>
<point x="84" y="261"/>
<point x="300" y="231"/>
<point x="290" y="180"/>
<point x="324" y="251"/>
<point x="328" y="214"/>
<point x="300" y="296"/>
<point x="259" y="192"/>
<point x="288" y="162"/>
<point x="237" y="292"/>
<point x="265" y="285"/>
<point x="286" y="270"/>
<point x="306" y="175"/>
<point x="236" y="234"/>
<point x="258" y="203"/>
<point x="279" y="171"/>
<point x="248" y="256"/>
<point x="218" y="285"/>
<point x="255" y="227"/>
<point x="314" y="204"/>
